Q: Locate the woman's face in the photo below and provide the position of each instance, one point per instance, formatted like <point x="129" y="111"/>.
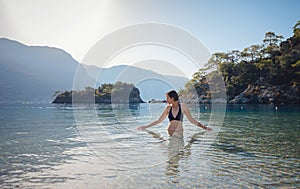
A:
<point x="169" y="100"/>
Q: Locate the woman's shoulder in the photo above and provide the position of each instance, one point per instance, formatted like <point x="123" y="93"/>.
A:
<point x="183" y="106"/>
<point x="168" y="107"/>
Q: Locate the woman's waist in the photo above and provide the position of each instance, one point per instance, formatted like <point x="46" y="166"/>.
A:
<point x="175" y="125"/>
<point x="176" y="122"/>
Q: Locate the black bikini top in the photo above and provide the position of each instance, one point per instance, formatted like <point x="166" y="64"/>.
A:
<point x="178" y="117"/>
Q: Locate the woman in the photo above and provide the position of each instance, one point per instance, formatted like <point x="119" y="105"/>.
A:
<point x="175" y="111"/>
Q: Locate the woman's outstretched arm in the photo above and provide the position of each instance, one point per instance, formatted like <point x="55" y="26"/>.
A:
<point x="159" y="120"/>
<point x="186" y="111"/>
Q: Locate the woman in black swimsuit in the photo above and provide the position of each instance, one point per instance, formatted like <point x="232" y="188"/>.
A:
<point x="175" y="111"/>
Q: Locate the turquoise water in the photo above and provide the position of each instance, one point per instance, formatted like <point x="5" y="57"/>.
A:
<point x="57" y="146"/>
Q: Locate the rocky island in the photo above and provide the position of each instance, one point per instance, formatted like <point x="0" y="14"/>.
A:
<point x="106" y="93"/>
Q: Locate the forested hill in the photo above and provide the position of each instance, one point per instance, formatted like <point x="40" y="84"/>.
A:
<point x="262" y="73"/>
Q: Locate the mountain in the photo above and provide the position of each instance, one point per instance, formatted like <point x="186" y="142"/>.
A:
<point x="34" y="73"/>
<point x="151" y="84"/>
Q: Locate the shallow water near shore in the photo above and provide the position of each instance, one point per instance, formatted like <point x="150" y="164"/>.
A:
<point x="46" y="146"/>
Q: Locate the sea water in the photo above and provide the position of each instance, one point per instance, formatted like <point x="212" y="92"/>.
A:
<point x="99" y="146"/>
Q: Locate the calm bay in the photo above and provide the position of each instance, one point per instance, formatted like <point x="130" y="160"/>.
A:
<point x="60" y="146"/>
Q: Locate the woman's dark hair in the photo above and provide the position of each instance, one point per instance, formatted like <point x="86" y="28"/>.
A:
<point x="173" y="94"/>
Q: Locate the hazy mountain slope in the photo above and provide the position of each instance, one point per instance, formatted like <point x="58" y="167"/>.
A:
<point x="29" y="73"/>
<point x="33" y="73"/>
<point x="150" y="84"/>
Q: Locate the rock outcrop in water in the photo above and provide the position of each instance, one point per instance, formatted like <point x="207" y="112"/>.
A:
<point x="107" y="93"/>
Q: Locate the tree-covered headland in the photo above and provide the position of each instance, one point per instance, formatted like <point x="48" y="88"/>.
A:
<point x="262" y="73"/>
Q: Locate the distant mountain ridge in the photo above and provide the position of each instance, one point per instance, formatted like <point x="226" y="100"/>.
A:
<point x="151" y="84"/>
<point x="34" y="73"/>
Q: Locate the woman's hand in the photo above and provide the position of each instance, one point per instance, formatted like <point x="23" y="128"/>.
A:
<point x="204" y="127"/>
<point x="142" y="127"/>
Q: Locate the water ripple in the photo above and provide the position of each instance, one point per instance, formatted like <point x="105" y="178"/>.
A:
<point x="46" y="148"/>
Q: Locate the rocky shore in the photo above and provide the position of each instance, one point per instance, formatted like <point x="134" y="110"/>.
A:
<point x="268" y="94"/>
<point x="257" y="93"/>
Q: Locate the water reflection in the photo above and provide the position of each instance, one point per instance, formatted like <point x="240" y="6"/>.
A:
<point x="176" y="150"/>
<point x="175" y="153"/>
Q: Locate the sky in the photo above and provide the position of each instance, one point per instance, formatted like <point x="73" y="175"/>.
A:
<point x="76" y="26"/>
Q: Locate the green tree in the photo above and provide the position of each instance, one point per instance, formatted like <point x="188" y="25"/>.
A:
<point x="233" y="56"/>
<point x="296" y="29"/>
<point x="252" y="53"/>
<point x="272" y="39"/>
<point x="215" y="60"/>
<point x="296" y="36"/>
